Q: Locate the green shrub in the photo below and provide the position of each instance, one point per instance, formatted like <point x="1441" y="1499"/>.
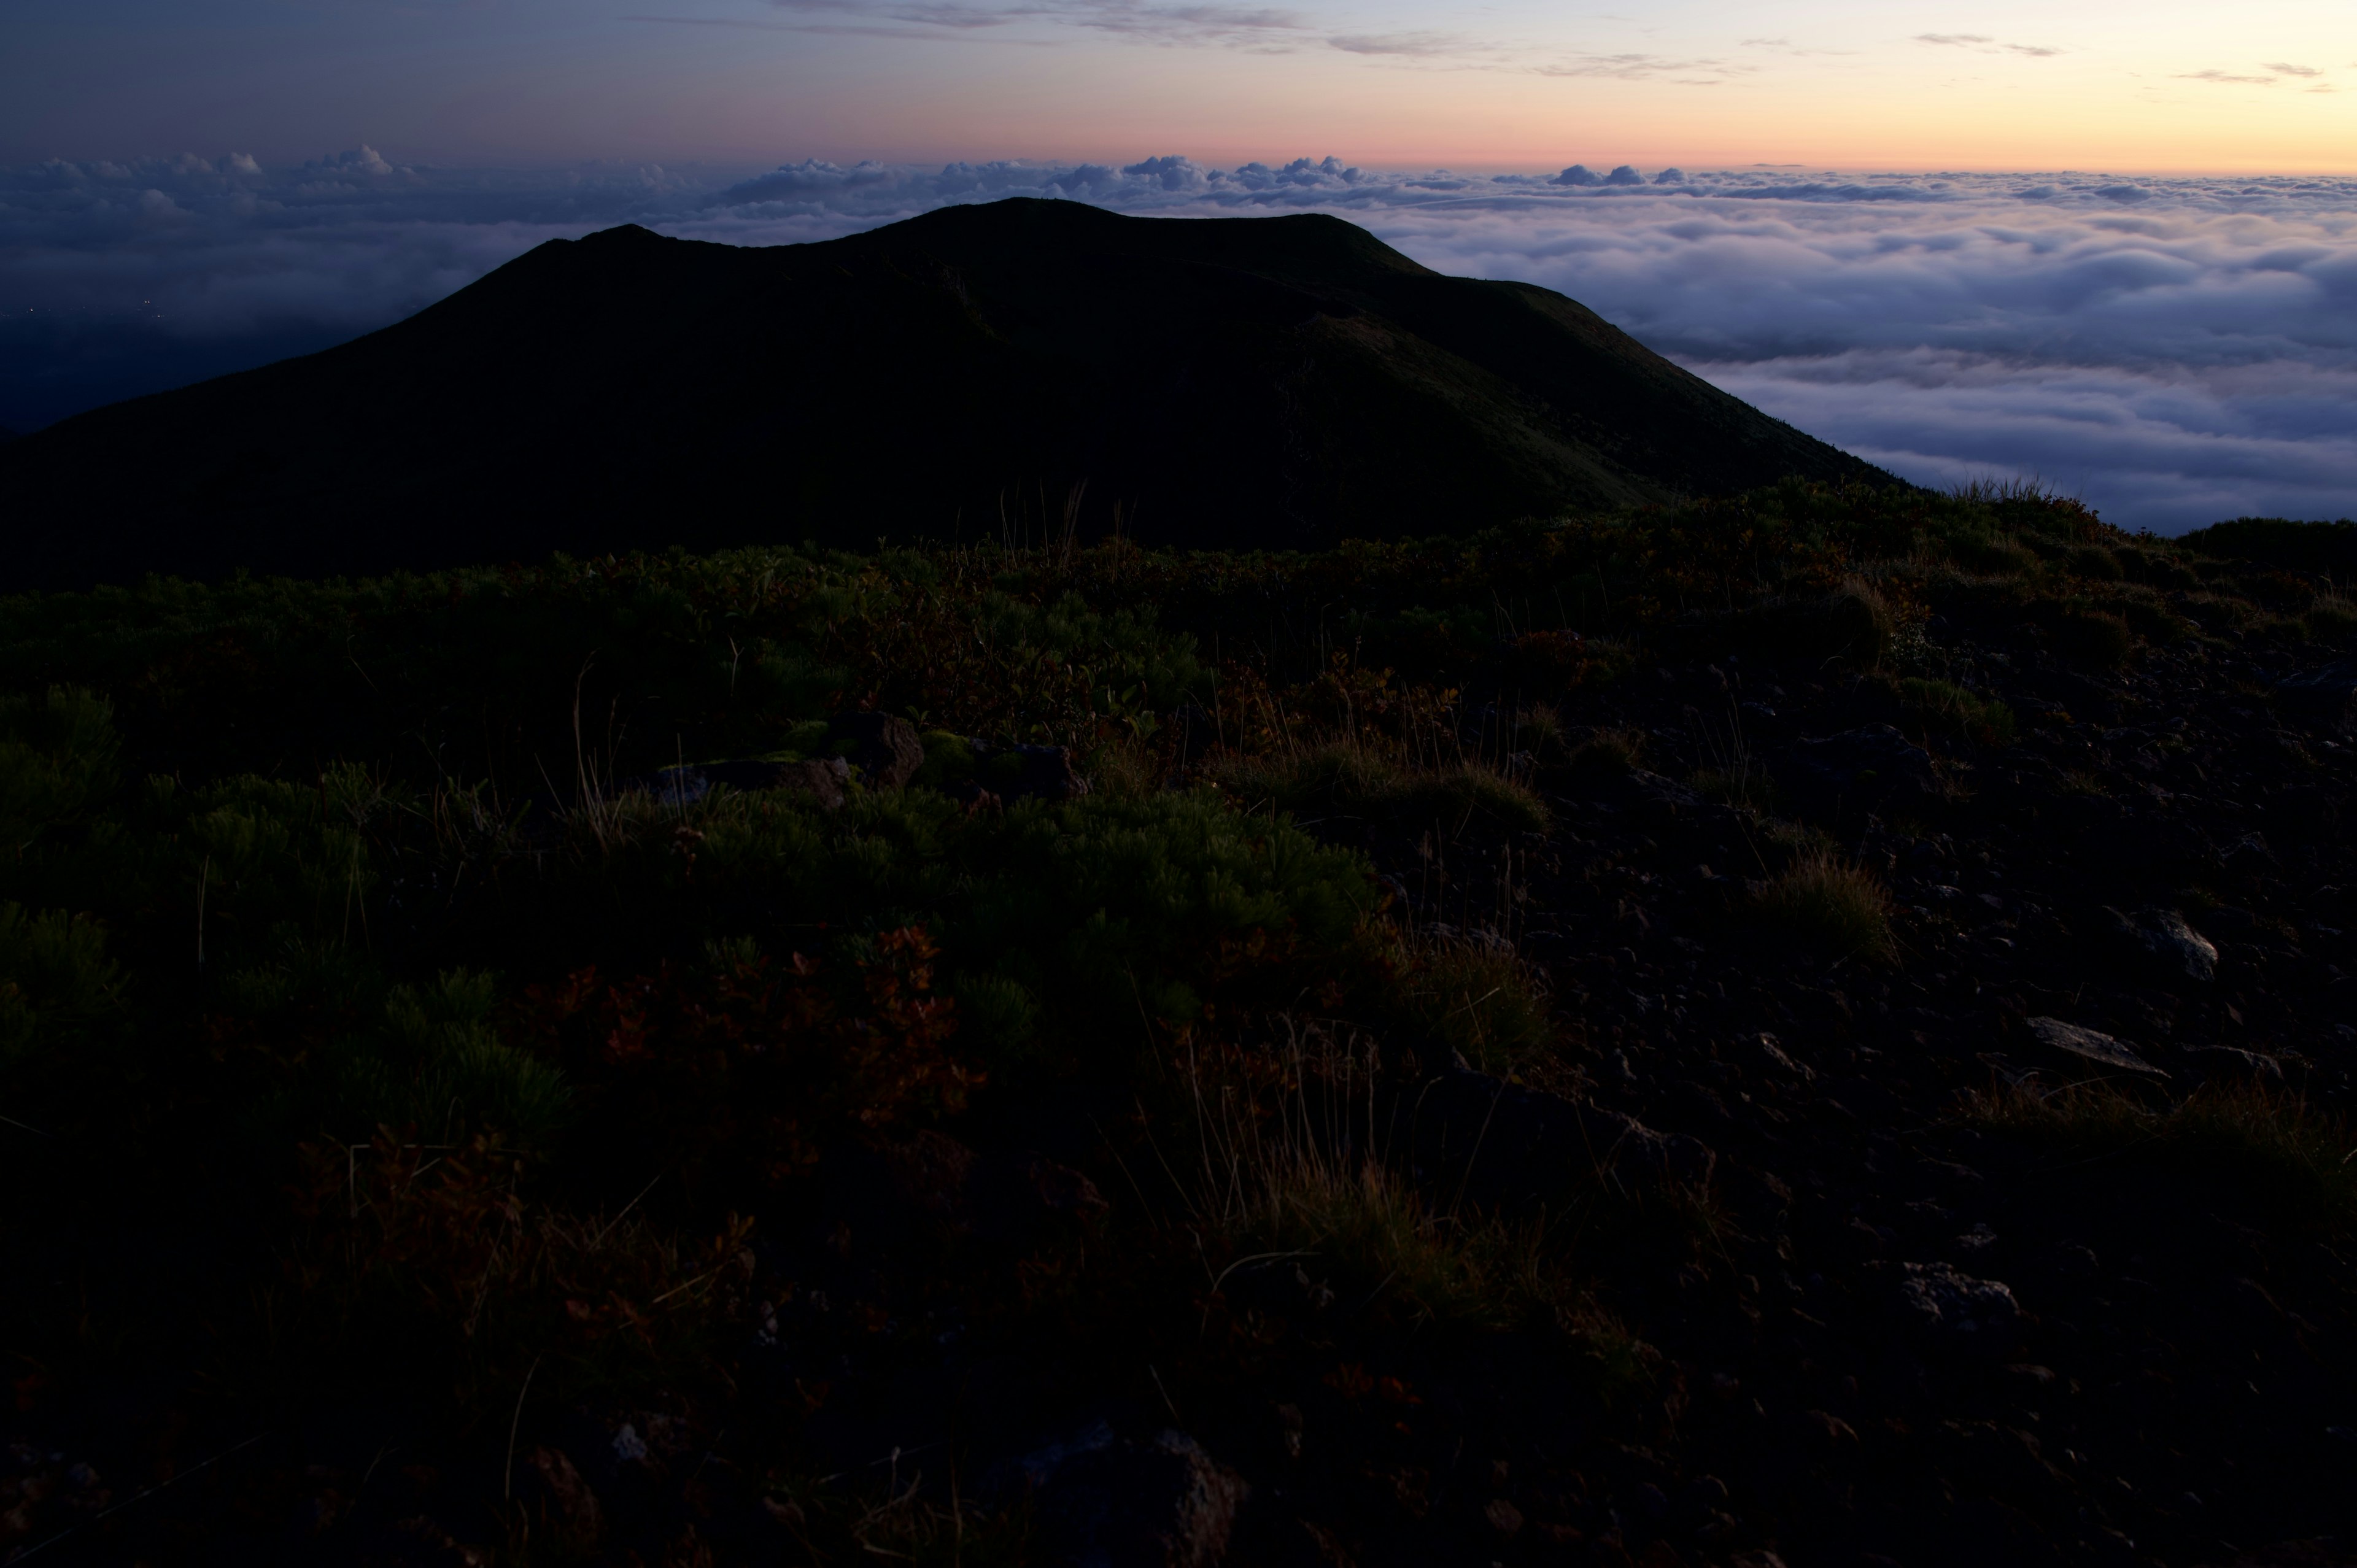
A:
<point x="803" y="742"/>
<point x="1104" y="909"/>
<point x="1956" y="710"/>
<point x="948" y="759"/>
<point x="56" y="981"/>
<point x="436" y="1062"/>
<point x="58" y="756"/>
<point x="1095" y="918"/>
<point x="1119" y="650"/>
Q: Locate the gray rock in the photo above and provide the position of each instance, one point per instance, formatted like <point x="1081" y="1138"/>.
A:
<point x="885" y="748"/>
<point x="2091" y="1044"/>
<point x="1940" y="1301"/>
<point x="2164" y="939"/>
<point x="569" y="1511"/>
<point x="1654" y="795"/>
<point x="1100" y="1502"/>
<point x="2329" y="695"/>
<point x="1770" y="1047"/>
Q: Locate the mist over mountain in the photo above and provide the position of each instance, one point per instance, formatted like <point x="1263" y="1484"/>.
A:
<point x="1025" y="366"/>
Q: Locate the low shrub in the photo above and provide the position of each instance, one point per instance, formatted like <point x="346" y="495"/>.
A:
<point x="1352" y="778"/>
<point x="2334" y="620"/>
<point x="57" y="755"/>
<point x="2290" y="629"/>
<point x="2153" y="620"/>
<point x="1853" y="623"/>
<point x="56" y="985"/>
<point x="2329" y="547"/>
<point x="2157" y="568"/>
<point x="1992" y="555"/>
<point x="436" y="1061"/>
<point x="2097" y="639"/>
<point x="1956" y="710"/>
<point x="2094" y="561"/>
<point x="1340" y="776"/>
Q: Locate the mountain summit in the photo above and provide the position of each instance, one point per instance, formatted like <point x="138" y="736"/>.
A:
<point x="1018" y="368"/>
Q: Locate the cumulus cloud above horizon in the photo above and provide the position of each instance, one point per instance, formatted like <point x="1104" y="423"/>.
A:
<point x="2173" y="350"/>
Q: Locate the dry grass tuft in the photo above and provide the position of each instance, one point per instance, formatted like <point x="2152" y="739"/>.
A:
<point x="1610" y="751"/>
<point x="1352" y="778"/>
<point x="2332" y="620"/>
<point x="2097" y="639"/>
<point x="1831" y="903"/>
<point x="1477" y="998"/>
<point x="1293" y="1176"/>
<point x="2295" y="1159"/>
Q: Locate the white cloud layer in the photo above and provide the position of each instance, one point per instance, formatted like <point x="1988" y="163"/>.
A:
<point x="2175" y="351"/>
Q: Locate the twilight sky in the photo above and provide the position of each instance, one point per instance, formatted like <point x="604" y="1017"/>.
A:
<point x="2143" y="86"/>
<point x="2137" y="85"/>
<point x="2171" y="331"/>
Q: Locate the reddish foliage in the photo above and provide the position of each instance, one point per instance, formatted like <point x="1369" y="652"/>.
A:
<point x="442" y="1234"/>
<point x="756" y="1066"/>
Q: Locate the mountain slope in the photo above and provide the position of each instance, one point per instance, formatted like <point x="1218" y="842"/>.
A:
<point x="978" y="370"/>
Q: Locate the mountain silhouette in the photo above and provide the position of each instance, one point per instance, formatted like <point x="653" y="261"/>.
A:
<point x="1014" y="369"/>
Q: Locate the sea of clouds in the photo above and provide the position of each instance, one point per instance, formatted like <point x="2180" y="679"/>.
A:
<point x="2174" y="350"/>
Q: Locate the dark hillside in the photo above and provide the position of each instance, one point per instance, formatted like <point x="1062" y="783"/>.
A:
<point x="1808" y="1029"/>
<point x="2327" y="547"/>
<point x="1011" y="368"/>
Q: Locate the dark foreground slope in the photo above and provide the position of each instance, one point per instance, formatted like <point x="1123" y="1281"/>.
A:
<point x="1558" y="1095"/>
<point x="1239" y="381"/>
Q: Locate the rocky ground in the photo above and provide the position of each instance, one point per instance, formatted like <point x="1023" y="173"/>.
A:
<point x="1918" y="1337"/>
